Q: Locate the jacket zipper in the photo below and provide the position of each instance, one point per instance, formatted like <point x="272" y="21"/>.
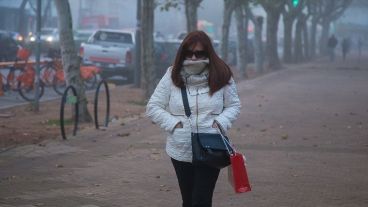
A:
<point x="197" y="110"/>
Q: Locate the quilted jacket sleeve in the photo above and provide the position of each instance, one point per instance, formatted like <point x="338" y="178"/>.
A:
<point x="156" y="106"/>
<point x="231" y="106"/>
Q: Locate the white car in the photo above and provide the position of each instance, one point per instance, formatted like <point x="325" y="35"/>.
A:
<point x="111" y="50"/>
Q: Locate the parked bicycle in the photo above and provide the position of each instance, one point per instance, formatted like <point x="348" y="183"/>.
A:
<point x="21" y="77"/>
<point x="52" y="74"/>
<point x="88" y="75"/>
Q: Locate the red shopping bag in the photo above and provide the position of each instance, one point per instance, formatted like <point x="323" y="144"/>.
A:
<point x="237" y="173"/>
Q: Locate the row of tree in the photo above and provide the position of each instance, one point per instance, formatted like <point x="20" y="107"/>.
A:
<point x="300" y="16"/>
<point x="305" y="15"/>
<point x="46" y="14"/>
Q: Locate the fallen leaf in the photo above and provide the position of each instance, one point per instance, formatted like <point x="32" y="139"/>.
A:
<point x="285" y="136"/>
<point x="123" y="134"/>
<point x="42" y="145"/>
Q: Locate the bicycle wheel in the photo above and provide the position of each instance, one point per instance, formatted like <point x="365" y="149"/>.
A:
<point x="47" y="75"/>
<point x="102" y="105"/>
<point x="59" y="86"/>
<point x="69" y="112"/>
<point x="28" y="91"/>
<point x="11" y="79"/>
<point x="2" y="84"/>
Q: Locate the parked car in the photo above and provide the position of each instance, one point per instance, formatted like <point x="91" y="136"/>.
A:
<point x="8" y="47"/>
<point x="49" y="39"/>
<point x="81" y="36"/>
<point x="17" y="37"/>
<point x="165" y="52"/>
<point x="111" y="50"/>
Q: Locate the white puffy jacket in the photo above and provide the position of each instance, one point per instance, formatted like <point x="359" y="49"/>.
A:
<point x="166" y="108"/>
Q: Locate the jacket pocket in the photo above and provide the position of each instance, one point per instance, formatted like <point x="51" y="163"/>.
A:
<point x="205" y="124"/>
<point x="183" y="121"/>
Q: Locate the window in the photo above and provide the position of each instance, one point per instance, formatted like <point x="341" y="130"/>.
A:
<point x="115" y="37"/>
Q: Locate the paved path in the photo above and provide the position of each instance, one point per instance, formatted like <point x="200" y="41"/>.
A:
<point x="304" y="131"/>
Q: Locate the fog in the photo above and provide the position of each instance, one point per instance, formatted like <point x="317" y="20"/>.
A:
<point x="93" y="14"/>
<point x="173" y="21"/>
<point x="169" y="22"/>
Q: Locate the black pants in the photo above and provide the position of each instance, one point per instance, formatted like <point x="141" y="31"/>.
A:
<point x="196" y="183"/>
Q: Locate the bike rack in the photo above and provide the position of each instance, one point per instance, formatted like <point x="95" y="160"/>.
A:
<point x="107" y="103"/>
<point x="72" y="100"/>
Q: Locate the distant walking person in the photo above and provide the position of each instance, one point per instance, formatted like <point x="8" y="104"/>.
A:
<point x="345" y="46"/>
<point x="331" y="44"/>
<point x="360" y="46"/>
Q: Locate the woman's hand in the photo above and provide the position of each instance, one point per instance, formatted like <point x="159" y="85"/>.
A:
<point x="215" y="125"/>
<point x="179" y="125"/>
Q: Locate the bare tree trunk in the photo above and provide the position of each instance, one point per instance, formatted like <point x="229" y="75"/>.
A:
<point x="258" y="47"/>
<point x="290" y="12"/>
<point x="313" y="39"/>
<point x="70" y="60"/>
<point x="138" y="45"/>
<point x="324" y="37"/>
<point x="273" y="10"/>
<point x="306" y="39"/>
<point x="242" y="39"/>
<point x="147" y="56"/>
<point x="288" y="29"/>
<point x="246" y="43"/>
<point x="272" y="56"/>
<point x="298" y="46"/>
<point x="228" y="10"/>
<point x="191" y="7"/>
<point x="257" y="42"/>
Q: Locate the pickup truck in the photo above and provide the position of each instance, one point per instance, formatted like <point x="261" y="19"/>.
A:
<point x="112" y="51"/>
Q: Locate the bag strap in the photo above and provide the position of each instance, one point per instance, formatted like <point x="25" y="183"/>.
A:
<point x="184" y="95"/>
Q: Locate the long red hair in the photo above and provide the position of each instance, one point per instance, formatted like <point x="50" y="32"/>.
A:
<point x="219" y="71"/>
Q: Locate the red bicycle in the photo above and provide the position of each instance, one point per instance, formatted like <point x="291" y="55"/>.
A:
<point x="21" y="77"/>
<point x="88" y="75"/>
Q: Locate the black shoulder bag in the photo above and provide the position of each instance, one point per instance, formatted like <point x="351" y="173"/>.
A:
<point x="209" y="149"/>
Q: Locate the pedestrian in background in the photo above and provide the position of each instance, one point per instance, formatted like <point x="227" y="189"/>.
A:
<point x="345" y="46"/>
<point x="214" y="102"/>
<point x="360" y="46"/>
<point x="331" y="45"/>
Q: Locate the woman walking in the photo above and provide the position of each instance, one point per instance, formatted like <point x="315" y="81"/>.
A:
<point x="214" y="103"/>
